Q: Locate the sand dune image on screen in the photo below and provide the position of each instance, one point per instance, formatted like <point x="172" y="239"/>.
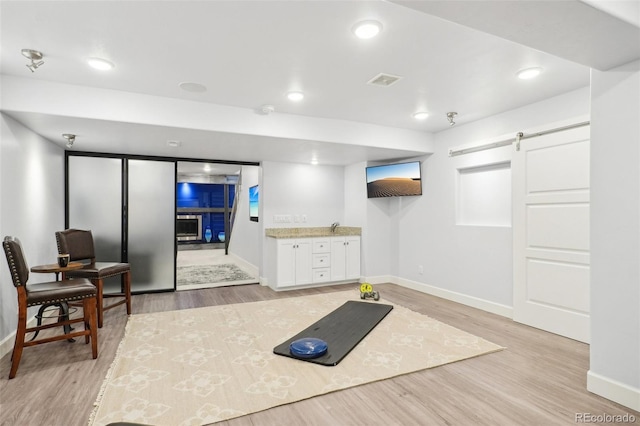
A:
<point x="390" y="187"/>
<point x="394" y="180"/>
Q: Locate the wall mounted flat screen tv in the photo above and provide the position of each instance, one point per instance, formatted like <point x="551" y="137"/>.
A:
<point x="394" y="180"/>
<point x="254" y="194"/>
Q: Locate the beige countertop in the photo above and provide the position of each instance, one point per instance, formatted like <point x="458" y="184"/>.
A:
<point x="312" y="232"/>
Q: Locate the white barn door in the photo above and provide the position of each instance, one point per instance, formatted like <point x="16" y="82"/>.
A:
<point x="551" y="233"/>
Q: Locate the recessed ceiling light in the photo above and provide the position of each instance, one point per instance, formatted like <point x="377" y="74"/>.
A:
<point x="206" y="168"/>
<point x="295" y="96"/>
<point x="100" y="64"/>
<point x="192" y="87"/>
<point x="528" y="73"/>
<point x="420" y="115"/>
<point x="174" y="144"/>
<point x="314" y="161"/>
<point x="367" y="29"/>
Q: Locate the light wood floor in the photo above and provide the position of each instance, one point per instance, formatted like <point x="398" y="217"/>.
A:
<point x="540" y="379"/>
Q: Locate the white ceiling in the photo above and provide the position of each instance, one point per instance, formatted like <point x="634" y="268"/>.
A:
<point x="251" y="53"/>
<point x="600" y="34"/>
<point x="188" y="170"/>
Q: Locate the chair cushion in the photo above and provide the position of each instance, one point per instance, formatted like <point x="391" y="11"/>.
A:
<point x="59" y="291"/>
<point x="100" y="270"/>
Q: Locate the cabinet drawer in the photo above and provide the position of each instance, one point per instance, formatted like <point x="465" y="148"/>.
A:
<point x="321" y="275"/>
<point x="321" y="260"/>
<point x="321" y="245"/>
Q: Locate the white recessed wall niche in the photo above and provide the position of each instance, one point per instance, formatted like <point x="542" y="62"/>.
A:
<point x="484" y="195"/>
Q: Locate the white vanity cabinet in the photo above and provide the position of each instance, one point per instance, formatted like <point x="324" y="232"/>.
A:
<point x="307" y="260"/>
<point x="345" y="258"/>
<point x="293" y="262"/>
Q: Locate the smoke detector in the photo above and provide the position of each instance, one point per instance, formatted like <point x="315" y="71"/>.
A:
<point x="266" y="109"/>
<point x="384" y="80"/>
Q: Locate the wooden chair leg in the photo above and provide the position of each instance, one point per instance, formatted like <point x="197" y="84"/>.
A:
<point x="19" y="343"/>
<point x="100" y="287"/>
<point x="86" y="315"/>
<point x="90" y="307"/>
<point x="127" y="290"/>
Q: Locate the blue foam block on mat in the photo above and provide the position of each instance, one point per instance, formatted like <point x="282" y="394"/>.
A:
<point x="308" y="347"/>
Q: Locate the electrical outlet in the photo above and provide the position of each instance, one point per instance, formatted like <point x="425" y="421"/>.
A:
<point x="281" y="218"/>
<point x="296" y="218"/>
<point x="420" y="269"/>
<point x="304" y="218"/>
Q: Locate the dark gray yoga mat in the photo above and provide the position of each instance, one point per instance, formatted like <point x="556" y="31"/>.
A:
<point x="342" y="329"/>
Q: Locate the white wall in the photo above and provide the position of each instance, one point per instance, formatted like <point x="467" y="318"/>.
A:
<point x="246" y="235"/>
<point x="31" y="208"/>
<point x="377" y="256"/>
<point x="316" y="192"/>
<point x="471" y="264"/>
<point x="615" y="235"/>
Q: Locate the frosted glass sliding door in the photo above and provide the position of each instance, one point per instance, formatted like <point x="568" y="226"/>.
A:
<point x="104" y="196"/>
<point x="95" y="203"/>
<point x="151" y="224"/>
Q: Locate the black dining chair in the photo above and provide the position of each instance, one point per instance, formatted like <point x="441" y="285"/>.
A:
<point x="48" y="293"/>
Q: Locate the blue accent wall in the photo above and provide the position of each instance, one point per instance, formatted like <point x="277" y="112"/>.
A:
<point x="205" y="195"/>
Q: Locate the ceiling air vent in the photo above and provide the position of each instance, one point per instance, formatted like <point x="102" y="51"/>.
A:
<point x="384" y="80"/>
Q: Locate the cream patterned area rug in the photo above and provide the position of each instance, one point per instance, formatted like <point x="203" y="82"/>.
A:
<point x="204" y="365"/>
<point x="204" y="274"/>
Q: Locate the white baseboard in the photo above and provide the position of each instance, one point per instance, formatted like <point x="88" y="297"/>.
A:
<point x="615" y="391"/>
<point x="250" y="268"/>
<point x="474" y="302"/>
<point x="6" y="345"/>
<point x="315" y="285"/>
<point x="380" y="279"/>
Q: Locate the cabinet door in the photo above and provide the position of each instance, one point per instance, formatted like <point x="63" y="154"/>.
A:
<point x="303" y="261"/>
<point x="352" y="258"/>
<point x="338" y="257"/>
<point x="286" y="263"/>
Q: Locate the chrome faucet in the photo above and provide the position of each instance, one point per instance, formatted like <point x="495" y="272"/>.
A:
<point x="334" y="225"/>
